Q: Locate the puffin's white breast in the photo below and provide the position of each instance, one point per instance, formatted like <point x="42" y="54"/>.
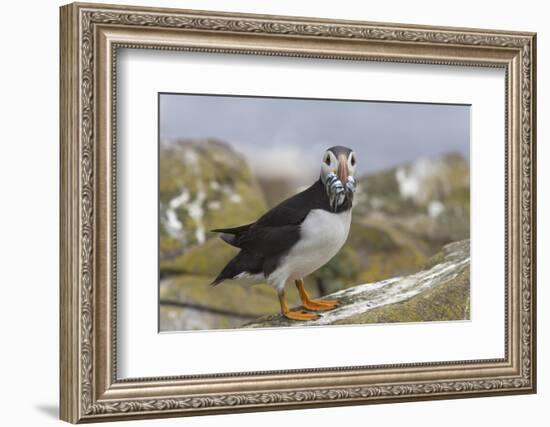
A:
<point x="322" y="235"/>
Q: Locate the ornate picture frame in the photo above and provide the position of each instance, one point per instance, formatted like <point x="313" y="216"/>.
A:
<point x="90" y="37"/>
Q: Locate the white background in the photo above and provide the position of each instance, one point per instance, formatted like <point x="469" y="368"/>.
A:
<point x="29" y="170"/>
<point x="145" y="353"/>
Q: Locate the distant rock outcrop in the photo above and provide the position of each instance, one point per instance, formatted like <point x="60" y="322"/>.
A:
<point x="204" y="184"/>
<point x="429" y="198"/>
<point x="441" y="291"/>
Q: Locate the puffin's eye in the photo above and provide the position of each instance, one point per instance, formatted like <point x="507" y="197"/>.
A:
<point x="353" y="160"/>
<point x="327" y="160"/>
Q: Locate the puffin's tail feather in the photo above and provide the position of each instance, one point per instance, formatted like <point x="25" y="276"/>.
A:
<point x="229" y="235"/>
<point x="229" y="238"/>
<point x="233" y="230"/>
<point x="216" y="281"/>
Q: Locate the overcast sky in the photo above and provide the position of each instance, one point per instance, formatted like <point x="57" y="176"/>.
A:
<point x="272" y="131"/>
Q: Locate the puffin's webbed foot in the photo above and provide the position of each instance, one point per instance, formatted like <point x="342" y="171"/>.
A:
<point x="320" y="305"/>
<point x="294" y="315"/>
<point x="300" y="315"/>
<point x="314" y="304"/>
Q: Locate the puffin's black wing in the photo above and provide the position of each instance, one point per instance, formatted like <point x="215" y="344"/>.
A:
<point x="273" y="232"/>
<point x="290" y="212"/>
<point x="267" y="235"/>
<point x="294" y="210"/>
<point x="261" y="248"/>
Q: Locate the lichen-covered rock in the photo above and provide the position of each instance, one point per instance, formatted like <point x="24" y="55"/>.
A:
<point x="416" y="184"/>
<point x="428" y="199"/>
<point x="441" y="291"/>
<point x="207" y="259"/>
<point x="204" y="184"/>
<point x="187" y="302"/>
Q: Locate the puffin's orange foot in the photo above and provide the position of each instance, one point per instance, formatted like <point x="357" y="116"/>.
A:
<point x="314" y="304"/>
<point x="300" y="315"/>
<point x="319" y="304"/>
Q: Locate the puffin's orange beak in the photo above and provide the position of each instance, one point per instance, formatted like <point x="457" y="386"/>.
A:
<point x="343" y="169"/>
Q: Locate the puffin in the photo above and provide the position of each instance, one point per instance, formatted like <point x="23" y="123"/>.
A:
<point x="296" y="237"/>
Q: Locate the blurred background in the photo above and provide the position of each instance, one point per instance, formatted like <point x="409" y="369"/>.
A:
<point x="225" y="160"/>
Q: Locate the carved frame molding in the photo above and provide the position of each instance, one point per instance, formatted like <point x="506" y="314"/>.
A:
<point x="90" y="36"/>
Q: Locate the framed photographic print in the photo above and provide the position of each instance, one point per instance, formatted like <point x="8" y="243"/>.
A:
<point x="267" y="212"/>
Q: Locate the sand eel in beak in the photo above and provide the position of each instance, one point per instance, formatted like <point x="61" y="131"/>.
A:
<point x="298" y="236"/>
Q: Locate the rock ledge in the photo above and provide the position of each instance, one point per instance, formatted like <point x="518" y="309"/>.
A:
<point x="441" y="291"/>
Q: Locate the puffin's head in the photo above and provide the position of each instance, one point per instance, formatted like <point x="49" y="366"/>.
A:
<point x="337" y="169"/>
